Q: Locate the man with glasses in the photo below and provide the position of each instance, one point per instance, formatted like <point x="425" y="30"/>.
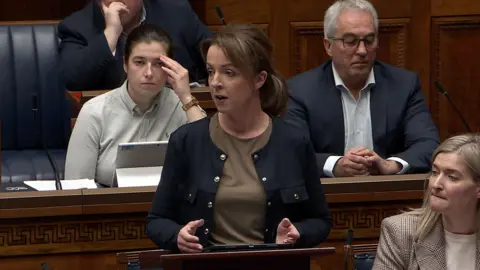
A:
<point x="364" y="117"/>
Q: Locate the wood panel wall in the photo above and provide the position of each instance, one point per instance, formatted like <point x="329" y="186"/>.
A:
<point x="438" y="39"/>
<point x="30" y="10"/>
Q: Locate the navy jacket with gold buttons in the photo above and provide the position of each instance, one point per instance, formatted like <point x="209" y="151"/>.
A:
<point x="192" y="170"/>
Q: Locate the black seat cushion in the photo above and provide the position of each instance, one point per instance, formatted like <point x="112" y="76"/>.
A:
<point x="29" y="67"/>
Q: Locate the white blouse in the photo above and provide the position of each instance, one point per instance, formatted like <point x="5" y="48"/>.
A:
<point x="460" y="251"/>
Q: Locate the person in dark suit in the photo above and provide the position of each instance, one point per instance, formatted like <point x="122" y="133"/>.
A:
<point x="363" y="116"/>
<point x="92" y="39"/>
<point x="231" y="179"/>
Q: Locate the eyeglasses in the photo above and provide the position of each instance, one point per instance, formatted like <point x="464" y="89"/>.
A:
<point x="350" y="42"/>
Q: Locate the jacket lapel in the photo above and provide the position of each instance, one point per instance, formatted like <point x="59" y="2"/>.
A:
<point x="378" y="112"/>
<point x="333" y="110"/>
<point x="430" y="252"/>
<point x="98" y="19"/>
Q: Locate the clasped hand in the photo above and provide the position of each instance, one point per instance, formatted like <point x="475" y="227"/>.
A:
<point x="362" y="161"/>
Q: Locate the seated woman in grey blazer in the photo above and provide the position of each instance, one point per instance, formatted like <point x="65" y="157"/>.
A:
<point x="142" y="109"/>
<point x="443" y="234"/>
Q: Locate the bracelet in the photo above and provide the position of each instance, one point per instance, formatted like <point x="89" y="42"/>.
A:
<point x="193" y="102"/>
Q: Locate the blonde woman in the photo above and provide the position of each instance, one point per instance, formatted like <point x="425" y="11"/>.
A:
<point x="443" y="234"/>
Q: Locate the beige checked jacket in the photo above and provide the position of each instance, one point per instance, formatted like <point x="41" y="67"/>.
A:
<point x="398" y="251"/>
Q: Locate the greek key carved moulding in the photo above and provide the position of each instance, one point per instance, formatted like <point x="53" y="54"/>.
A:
<point x="73" y="236"/>
<point x="364" y="220"/>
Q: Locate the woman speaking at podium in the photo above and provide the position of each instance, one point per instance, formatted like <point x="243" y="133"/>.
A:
<point x="243" y="176"/>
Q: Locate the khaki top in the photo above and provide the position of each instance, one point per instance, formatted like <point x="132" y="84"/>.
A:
<point x="240" y="202"/>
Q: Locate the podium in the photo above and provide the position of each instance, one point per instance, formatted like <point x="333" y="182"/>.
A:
<point x="297" y="259"/>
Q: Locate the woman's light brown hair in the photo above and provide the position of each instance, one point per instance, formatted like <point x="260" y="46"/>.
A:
<point x="249" y="49"/>
<point x="466" y="146"/>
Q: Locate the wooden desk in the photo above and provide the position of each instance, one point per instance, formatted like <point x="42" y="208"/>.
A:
<point x="78" y="98"/>
<point x="84" y="229"/>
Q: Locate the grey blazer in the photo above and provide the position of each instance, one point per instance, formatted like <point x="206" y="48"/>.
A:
<point x="398" y="250"/>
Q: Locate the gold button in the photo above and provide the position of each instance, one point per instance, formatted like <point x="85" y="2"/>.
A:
<point x="223" y="157"/>
<point x="264" y="179"/>
<point x="216" y="179"/>
<point x="209" y="204"/>
<point x="296" y="196"/>
<point x="206" y="231"/>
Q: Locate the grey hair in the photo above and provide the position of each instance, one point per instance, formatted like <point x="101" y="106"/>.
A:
<point x="333" y="12"/>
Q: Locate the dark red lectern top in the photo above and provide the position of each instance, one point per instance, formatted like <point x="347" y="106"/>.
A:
<point x="297" y="259"/>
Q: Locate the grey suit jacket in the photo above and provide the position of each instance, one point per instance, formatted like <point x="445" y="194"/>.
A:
<point x="397" y="249"/>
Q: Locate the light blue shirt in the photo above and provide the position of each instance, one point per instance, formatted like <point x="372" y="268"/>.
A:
<point x="357" y="121"/>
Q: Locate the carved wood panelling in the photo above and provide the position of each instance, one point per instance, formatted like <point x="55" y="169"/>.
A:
<point x="31" y="10"/>
<point x="55" y="235"/>
<point x="73" y="236"/>
<point x="365" y="220"/>
<point x="245" y="11"/>
<point x="393" y="41"/>
<point x="307" y="50"/>
<point x="454" y="7"/>
<point x="455" y="65"/>
<point x="262" y="26"/>
<point x="306" y="47"/>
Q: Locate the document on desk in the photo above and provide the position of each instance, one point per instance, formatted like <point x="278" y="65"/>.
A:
<point x="48" y="185"/>
<point x="139" y="176"/>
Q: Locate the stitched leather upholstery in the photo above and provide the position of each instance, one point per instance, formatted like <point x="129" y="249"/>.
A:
<point x="28" y="67"/>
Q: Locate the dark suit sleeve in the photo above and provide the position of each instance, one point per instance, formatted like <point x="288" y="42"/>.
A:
<point x="421" y="136"/>
<point x="316" y="225"/>
<point x="82" y="62"/>
<point x="161" y="225"/>
<point x="196" y="33"/>
<point x="297" y="116"/>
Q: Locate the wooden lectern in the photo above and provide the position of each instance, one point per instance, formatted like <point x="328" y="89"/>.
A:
<point x="297" y="259"/>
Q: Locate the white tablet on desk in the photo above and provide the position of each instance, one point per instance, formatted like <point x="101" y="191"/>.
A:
<point x="140" y="163"/>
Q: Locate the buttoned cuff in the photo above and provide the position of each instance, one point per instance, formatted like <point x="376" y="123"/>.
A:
<point x="405" y="165"/>
<point x="330" y="165"/>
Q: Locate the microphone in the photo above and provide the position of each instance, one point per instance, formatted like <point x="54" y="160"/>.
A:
<point x="39" y="133"/>
<point x="220" y="14"/>
<point x="444" y="92"/>
<point x="348" y="246"/>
